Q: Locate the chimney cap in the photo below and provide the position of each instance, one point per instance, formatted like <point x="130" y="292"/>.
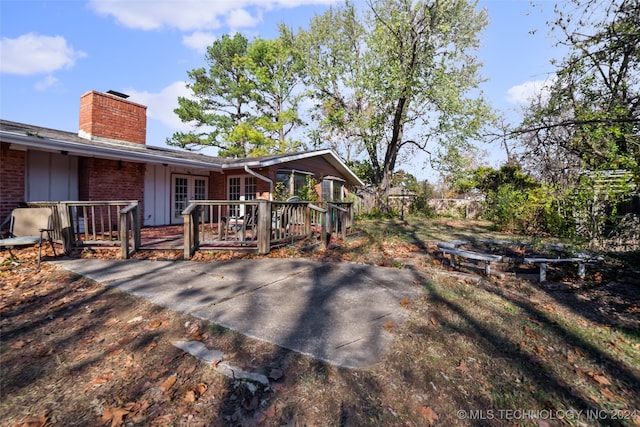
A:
<point x="119" y="94"/>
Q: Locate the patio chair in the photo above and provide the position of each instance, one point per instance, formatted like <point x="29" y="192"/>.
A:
<point x="27" y="228"/>
<point x="240" y="225"/>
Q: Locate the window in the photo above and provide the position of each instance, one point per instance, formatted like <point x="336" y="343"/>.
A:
<point x="241" y="188"/>
<point x="294" y="181"/>
<point x="332" y="189"/>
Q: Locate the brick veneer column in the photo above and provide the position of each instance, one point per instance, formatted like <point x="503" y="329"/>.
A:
<point x="12" y="179"/>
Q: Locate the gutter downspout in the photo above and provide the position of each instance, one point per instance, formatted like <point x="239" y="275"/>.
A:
<point x="264" y="178"/>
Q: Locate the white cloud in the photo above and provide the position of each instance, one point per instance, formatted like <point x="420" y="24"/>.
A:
<point x="191" y="15"/>
<point x="46" y="83"/>
<point x="160" y="105"/>
<point x="199" y="41"/>
<point x="240" y="18"/>
<point x="526" y="92"/>
<point x="33" y="53"/>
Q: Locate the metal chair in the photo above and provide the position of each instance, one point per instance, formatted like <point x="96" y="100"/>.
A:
<point x="27" y="228"/>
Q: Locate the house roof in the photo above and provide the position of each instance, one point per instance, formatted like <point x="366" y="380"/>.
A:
<point x="46" y="139"/>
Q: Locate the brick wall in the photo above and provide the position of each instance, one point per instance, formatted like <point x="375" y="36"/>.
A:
<point x="111" y="180"/>
<point x="218" y="185"/>
<point x="110" y="117"/>
<point x="12" y="179"/>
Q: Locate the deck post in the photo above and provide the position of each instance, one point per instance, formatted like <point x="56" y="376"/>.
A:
<point x="264" y="227"/>
<point x="187" y="235"/>
<point x="190" y="220"/>
<point x="327" y="237"/>
<point x="307" y="220"/>
<point x="137" y="225"/>
<point x="124" y="235"/>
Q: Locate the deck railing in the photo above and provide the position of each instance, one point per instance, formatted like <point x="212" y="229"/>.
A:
<point x="259" y="225"/>
<point x="103" y="223"/>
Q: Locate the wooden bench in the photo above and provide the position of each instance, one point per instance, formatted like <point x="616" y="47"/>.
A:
<point x="448" y="248"/>
<point x="545" y="261"/>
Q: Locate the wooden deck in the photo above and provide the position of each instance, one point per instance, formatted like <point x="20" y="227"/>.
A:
<point x="167" y="237"/>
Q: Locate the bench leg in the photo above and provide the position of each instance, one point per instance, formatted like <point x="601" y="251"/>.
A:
<point x="487" y="268"/>
<point x="543" y="272"/>
<point x="581" y="270"/>
<point x="452" y="260"/>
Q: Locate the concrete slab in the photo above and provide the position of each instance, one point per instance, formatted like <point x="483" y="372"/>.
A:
<point x="335" y="312"/>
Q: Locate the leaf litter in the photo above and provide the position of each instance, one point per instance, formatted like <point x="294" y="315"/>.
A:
<point x="106" y="358"/>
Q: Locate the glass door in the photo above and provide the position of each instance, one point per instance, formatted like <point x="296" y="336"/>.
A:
<point x="185" y="188"/>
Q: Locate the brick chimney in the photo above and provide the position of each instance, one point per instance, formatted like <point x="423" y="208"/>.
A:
<point x="109" y="117"/>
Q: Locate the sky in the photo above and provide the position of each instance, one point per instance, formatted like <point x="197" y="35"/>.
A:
<point x="51" y="52"/>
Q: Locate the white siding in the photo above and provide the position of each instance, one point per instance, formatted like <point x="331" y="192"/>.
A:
<point x="51" y="177"/>
<point x="157" y="193"/>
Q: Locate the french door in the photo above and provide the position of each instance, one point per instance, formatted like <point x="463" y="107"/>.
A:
<point x="240" y="188"/>
<point x="183" y="189"/>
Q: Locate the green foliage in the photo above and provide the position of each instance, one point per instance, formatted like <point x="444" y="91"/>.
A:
<point x="519" y="204"/>
<point x="590" y="115"/>
<point x="396" y="77"/>
<point x="280" y="192"/>
<point x="308" y="192"/>
<point x="244" y="104"/>
<point x="363" y="169"/>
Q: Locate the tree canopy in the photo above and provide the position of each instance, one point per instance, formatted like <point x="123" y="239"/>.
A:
<point x="396" y="79"/>
<point x="245" y="103"/>
<point x="590" y="119"/>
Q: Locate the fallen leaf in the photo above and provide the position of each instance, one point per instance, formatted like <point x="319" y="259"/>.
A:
<point x="168" y="383"/>
<point x="429" y="414"/>
<point x="156" y="324"/>
<point x="528" y="332"/>
<point x="433" y="321"/>
<point x="601" y="379"/>
<point x="43" y="351"/>
<point x="389" y="326"/>
<point x="17" y="345"/>
<point x="125" y="340"/>
<point x="111" y="322"/>
<point x="115" y="415"/>
<point x="201" y="388"/>
<point x="101" y="379"/>
<point x="190" y="396"/>
<point x="31" y="421"/>
<point x="462" y="367"/>
<point x="608" y="394"/>
<point x="405" y="302"/>
<point x="540" y="350"/>
<point x="215" y="363"/>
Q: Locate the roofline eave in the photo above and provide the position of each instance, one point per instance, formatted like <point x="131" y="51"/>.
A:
<point x="76" y="148"/>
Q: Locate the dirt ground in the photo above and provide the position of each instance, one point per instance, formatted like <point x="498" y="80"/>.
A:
<point x="475" y="352"/>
